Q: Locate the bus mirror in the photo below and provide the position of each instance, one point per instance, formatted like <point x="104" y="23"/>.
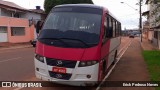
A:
<point x="38" y="26"/>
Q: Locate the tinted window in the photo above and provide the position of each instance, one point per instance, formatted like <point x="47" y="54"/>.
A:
<point x="78" y="10"/>
<point x="84" y="28"/>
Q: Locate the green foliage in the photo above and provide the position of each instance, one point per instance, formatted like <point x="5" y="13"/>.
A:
<point x="49" y="4"/>
<point x="152" y="59"/>
<point x="157" y="0"/>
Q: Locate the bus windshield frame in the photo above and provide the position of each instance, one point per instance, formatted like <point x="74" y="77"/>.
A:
<point x="72" y="27"/>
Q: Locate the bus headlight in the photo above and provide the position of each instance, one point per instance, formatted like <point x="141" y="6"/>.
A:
<point x="40" y="58"/>
<point x="87" y="63"/>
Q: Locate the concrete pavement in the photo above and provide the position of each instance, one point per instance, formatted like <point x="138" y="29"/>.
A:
<point x="147" y="45"/>
<point x="131" y="67"/>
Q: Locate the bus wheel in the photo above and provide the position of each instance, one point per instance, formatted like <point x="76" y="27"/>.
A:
<point x="115" y="60"/>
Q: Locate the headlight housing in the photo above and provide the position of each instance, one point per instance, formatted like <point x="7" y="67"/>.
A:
<point x="87" y="63"/>
<point x="40" y="58"/>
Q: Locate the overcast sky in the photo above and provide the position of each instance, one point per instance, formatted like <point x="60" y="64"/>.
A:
<point x="125" y="12"/>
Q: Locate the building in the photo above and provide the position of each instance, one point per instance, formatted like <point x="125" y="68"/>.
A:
<point x="153" y="14"/>
<point x="16" y="22"/>
<point x="147" y="32"/>
<point x="127" y="32"/>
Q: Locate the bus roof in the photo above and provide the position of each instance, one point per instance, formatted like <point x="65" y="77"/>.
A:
<point x="80" y="5"/>
<point x="88" y="6"/>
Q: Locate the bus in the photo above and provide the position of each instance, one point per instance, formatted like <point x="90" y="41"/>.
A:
<point x="78" y="42"/>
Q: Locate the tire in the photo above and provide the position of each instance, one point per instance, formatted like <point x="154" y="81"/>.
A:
<point x="115" y="60"/>
<point x="34" y="45"/>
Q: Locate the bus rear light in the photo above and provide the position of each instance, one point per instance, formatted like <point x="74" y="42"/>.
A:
<point x="40" y="58"/>
<point x="87" y="63"/>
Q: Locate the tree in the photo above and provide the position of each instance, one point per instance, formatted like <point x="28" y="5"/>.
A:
<point x="49" y="4"/>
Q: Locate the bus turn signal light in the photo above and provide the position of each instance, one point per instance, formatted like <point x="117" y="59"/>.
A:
<point x="40" y="58"/>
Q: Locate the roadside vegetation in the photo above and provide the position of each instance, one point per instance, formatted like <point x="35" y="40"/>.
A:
<point x="152" y="59"/>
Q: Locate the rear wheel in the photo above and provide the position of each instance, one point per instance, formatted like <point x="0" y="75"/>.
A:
<point x="115" y="56"/>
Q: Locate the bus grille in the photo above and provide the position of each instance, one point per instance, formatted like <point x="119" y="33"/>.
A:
<point x="61" y="63"/>
<point x="65" y="76"/>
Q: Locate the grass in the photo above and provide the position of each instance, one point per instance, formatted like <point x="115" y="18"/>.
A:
<point x="152" y="59"/>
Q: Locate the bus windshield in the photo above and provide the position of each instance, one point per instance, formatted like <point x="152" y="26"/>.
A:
<point x="71" y="29"/>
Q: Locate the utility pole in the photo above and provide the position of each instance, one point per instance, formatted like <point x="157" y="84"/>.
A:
<point x="140" y="17"/>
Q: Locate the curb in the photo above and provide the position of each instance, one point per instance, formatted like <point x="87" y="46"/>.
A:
<point x="16" y="47"/>
<point x="142" y="46"/>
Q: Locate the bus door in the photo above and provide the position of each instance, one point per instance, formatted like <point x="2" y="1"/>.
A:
<point x="107" y="35"/>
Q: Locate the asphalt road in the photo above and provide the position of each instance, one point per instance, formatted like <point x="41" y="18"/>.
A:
<point x="18" y="65"/>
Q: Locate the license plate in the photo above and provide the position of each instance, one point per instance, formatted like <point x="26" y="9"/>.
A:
<point x="59" y="70"/>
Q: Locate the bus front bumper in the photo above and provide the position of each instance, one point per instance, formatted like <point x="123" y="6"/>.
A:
<point x="81" y="76"/>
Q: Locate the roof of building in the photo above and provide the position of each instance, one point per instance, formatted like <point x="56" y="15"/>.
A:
<point x="13" y="6"/>
<point x="37" y="11"/>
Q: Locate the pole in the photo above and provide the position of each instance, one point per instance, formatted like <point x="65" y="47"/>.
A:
<point x="140" y="18"/>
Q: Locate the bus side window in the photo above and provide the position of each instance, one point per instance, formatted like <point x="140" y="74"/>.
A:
<point x="108" y="28"/>
<point x="114" y="28"/>
<point x="105" y="30"/>
<point x="119" y="29"/>
<point x="109" y="32"/>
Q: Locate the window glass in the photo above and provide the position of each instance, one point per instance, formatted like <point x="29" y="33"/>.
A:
<point x="17" y="31"/>
<point x="105" y="28"/>
<point x="3" y="29"/>
<point x="76" y="29"/>
<point x="117" y="29"/>
<point x="114" y="28"/>
<point x="156" y="34"/>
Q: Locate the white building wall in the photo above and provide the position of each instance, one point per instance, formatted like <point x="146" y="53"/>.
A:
<point x="3" y="37"/>
<point x="34" y="16"/>
<point x="153" y="15"/>
<point x="150" y="35"/>
<point x="26" y="15"/>
<point x="3" y="34"/>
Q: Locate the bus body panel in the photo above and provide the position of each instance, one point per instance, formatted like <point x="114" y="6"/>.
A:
<point x="108" y="49"/>
<point x="100" y="72"/>
<point x="73" y="54"/>
<point x="114" y="44"/>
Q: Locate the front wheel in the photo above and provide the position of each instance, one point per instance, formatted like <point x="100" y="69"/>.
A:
<point x="34" y="45"/>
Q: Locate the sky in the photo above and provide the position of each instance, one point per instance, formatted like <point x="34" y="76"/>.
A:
<point x="126" y="13"/>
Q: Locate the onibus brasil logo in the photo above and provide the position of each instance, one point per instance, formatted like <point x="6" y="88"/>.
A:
<point x="21" y="84"/>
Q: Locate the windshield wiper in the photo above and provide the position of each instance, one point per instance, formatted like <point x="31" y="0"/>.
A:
<point x="55" y="39"/>
<point x="77" y="40"/>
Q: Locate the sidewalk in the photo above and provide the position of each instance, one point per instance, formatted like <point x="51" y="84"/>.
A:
<point x="7" y="45"/>
<point x="131" y="67"/>
<point x="146" y="45"/>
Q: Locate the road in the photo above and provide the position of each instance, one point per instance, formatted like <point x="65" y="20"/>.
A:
<point x="18" y="65"/>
